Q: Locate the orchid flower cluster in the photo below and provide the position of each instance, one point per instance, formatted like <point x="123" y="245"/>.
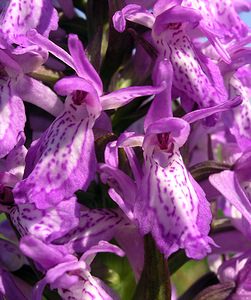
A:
<point x="125" y="128"/>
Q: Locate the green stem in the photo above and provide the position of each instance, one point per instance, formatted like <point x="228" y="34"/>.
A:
<point x="155" y="280"/>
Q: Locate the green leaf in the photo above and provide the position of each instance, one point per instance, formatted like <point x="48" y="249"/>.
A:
<point x="203" y="170"/>
<point x="154" y="282"/>
<point x="116" y="272"/>
<point x="176" y="261"/>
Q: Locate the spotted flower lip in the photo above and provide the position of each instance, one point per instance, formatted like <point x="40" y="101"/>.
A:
<point x="20" y="16"/>
<point x="172" y="196"/>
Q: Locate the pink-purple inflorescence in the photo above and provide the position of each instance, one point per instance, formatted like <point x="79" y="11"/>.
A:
<point x="98" y="151"/>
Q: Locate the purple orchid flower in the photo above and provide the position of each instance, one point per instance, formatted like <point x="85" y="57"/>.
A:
<point x="165" y="199"/>
<point x="238" y="270"/>
<point x="66" y="273"/>
<point x="72" y="132"/>
<point x="239" y="120"/>
<point x="196" y="77"/>
<point x="235" y="186"/>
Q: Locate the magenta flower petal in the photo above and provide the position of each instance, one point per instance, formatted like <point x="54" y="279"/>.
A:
<point x="162" y="104"/>
<point x="21" y="16"/>
<point x="48" y="224"/>
<point x="220" y="17"/>
<point x="169" y="208"/>
<point x="12" y="117"/>
<point x="123" y="96"/>
<point x="83" y="67"/>
<point x="58" y="168"/>
<point x="228" y="185"/>
<point x="46" y="255"/>
<point x="170" y="204"/>
<point x="134" y="13"/>
<point x="37" y="93"/>
<point x="94" y="225"/>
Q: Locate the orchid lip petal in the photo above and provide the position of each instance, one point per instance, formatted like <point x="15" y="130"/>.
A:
<point x="49" y="224"/>
<point x="70" y="134"/>
<point x="17" y="19"/>
<point x="170" y="205"/>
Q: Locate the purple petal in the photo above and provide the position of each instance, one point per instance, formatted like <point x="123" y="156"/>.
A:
<point x="46" y="255"/>
<point x="68" y="85"/>
<point x="83" y="67"/>
<point x="94" y="225"/>
<point x="14" y="163"/>
<point x="123" y="96"/>
<point x="242" y="5"/>
<point x="121" y="183"/>
<point x="102" y="246"/>
<point x="206" y="112"/>
<point x="54" y="176"/>
<point x="169" y="207"/>
<point x="220" y="17"/>
<point x="194" y="78"/>
<point x="227" y="184"/>
<point x="29" y="58"/>
<point x="239" y="120"/>
<point x="233" y="241"/>
<point x="7" y="61"/>
<point x="179" y="130"/>
<point x="163" y="5"/>
<point x="130" y="139"/>
<point x="111" y="154"/>
<point x="161" y="106"/>
<point x="132" y="242"/>
<point x="21" y="16"/>
<point x="37" y="93"/>
<point x="39" y="40"/>
<point x="62" y="275"/>
<point x="12" y="117"/>
<point x="176" y="14"/>
<point x="134" y="13"/>
<point x="48" y="224"/>
<point x="12" y="287"/>
<point x="88" y="289"/>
